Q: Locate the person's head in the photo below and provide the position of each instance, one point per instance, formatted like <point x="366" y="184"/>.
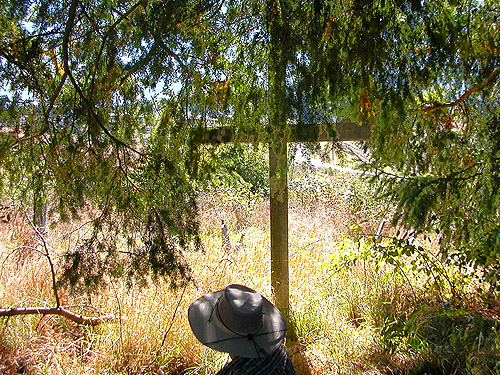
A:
<point x="237" y="320"/>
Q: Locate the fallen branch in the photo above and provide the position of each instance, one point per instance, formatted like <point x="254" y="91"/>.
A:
<point x="465" y="94"/>
<point x="80" y="319"/>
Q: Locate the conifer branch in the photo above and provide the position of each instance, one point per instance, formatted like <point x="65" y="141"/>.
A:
<point x="57" y="92"/>
<point x="65" y="48"/>
<point x="466" y="94"/>
<point x="108" y="34"/>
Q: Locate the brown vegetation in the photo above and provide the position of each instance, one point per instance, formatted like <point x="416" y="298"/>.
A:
<point x="336" y="314"/>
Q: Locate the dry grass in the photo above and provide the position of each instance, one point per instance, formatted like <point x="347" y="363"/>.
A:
<point x="151" y="334"/>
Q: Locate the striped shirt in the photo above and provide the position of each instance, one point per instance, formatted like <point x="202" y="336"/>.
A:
<point x="277" y="363"/>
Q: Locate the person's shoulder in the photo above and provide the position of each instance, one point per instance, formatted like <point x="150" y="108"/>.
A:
<point x="239" y="365"/>
<point x="280" y="352"/>
<point x="276" y="363"/>
<point x="287" y="367"/>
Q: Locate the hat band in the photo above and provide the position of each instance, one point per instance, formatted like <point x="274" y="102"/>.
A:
<point x="248" y="335"/>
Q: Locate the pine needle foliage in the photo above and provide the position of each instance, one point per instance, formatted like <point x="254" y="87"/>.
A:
<point x="105" y="98"/>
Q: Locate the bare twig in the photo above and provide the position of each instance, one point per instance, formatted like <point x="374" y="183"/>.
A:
<point x="173" y="316"/>
<point x="58" y="310"/>
<point x="119" y="315"/>
<point x="5" y="326"/>
<point x="49" y="259"/>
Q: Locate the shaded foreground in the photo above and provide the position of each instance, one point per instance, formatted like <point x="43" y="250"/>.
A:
<point x="356" y="310"/>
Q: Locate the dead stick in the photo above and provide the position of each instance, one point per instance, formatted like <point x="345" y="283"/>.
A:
<point x="80" y="319"/>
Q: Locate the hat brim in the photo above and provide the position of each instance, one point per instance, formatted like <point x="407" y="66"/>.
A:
<point x="211" y="332"/>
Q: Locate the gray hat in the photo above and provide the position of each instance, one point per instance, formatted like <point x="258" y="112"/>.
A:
<point x="237" y="320"/>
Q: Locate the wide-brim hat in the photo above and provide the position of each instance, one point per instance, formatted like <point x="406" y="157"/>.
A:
<point x="237" y="320"/>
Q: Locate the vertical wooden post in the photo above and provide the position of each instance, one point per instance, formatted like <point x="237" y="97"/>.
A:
<point x="278" y="168"/>
<point x="278" y="181"/>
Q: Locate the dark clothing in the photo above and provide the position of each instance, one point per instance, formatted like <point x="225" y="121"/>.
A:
<point x="277" y="363"/>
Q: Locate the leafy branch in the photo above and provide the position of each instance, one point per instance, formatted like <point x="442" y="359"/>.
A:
<point x="466" y="94"/>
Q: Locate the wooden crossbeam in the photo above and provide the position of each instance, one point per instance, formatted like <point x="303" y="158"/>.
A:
<point x="346" y="131"/>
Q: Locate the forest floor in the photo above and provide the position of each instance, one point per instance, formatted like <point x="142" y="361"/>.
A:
<point x="353" y="312"/>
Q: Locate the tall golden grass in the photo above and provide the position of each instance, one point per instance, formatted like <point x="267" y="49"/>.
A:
<point x="333" y="312"/>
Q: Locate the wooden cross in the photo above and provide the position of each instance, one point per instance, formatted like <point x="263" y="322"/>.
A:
<point x="346" y="131"/>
